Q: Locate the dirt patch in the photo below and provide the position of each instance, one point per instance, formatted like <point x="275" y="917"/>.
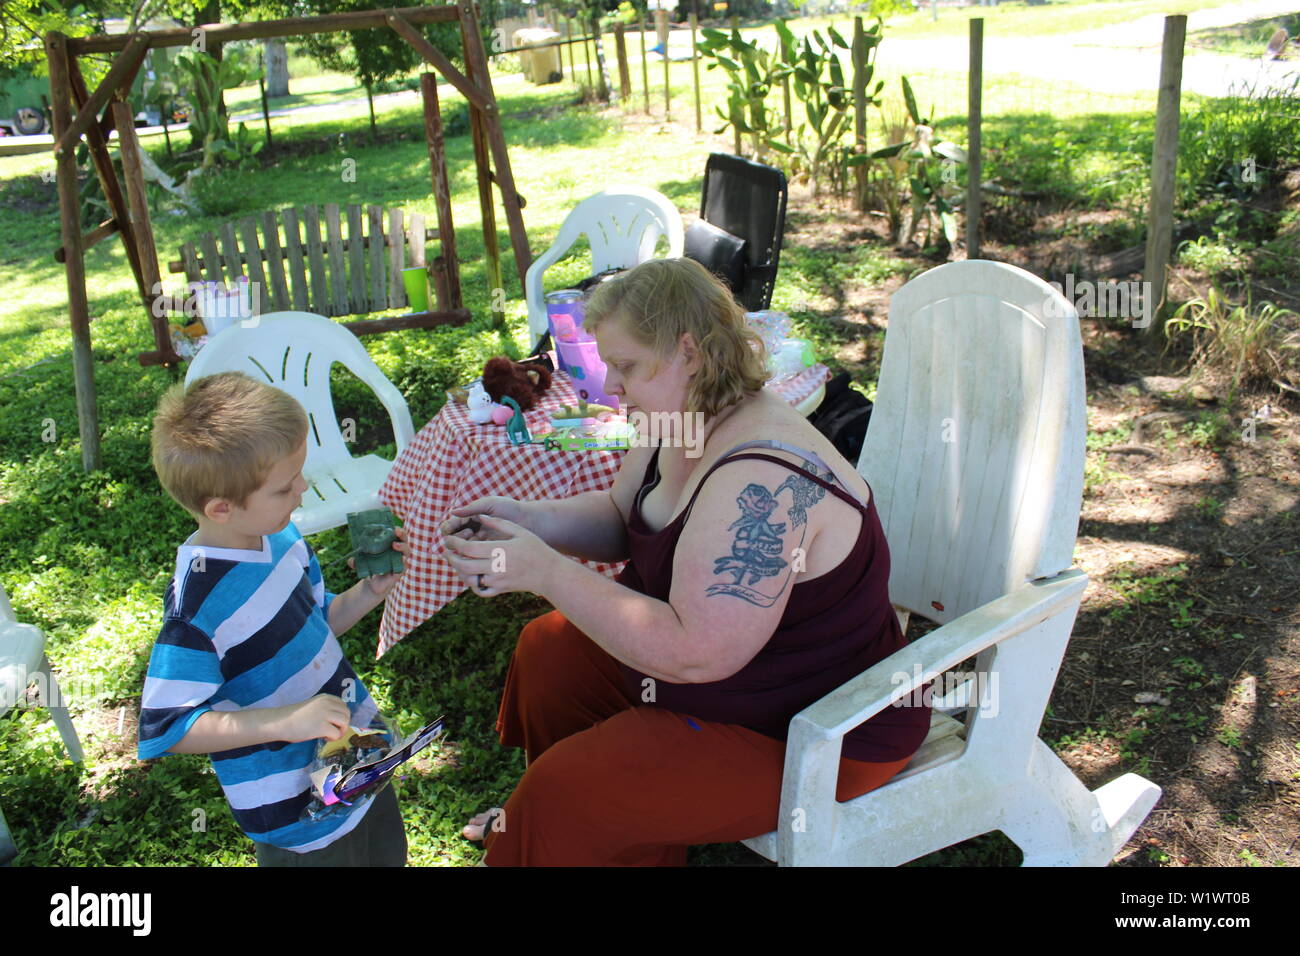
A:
<point x="30" y="195"/>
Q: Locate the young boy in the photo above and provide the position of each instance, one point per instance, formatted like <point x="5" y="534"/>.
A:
<point x="248" y="667"/>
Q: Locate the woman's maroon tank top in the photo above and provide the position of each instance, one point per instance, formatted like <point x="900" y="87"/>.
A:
<point x="834" y="627"/>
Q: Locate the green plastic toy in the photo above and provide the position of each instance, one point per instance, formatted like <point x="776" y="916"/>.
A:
<point x="372" y="542"/>
<point x="516" y="430"/>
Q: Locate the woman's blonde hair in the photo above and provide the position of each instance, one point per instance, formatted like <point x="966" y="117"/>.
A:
<point x="662" y="298"/>
<point x="220" y="436"/>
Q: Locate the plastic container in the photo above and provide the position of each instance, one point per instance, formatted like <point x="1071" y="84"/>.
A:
<point x="790" y="357"/>
<point x="575" y="348"/>
<point x="773" y="327"/>
<point x="415" y="280"/>
<point x="587" y="371"/>
<point x="220" y="307"/>
<point x="564" y="312"/>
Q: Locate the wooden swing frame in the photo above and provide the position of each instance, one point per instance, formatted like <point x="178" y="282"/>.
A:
<point x="77" y="114"/>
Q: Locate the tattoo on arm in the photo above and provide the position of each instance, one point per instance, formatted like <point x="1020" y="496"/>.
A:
<point x="757" y="546"/>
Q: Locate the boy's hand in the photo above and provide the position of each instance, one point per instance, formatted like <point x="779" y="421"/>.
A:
<point x="381" y="584"/>
<point x="322" y="716"/>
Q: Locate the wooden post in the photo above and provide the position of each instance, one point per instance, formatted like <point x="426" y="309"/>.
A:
<point x="490" y="126"/>
<point x="221" y="33"/>
<point x="624" y="75"/>
<point x="433" y="55"/>
<point x="491" y="248"/>
<point x="974" y="117"/>
<point x="123" y="71"/>
<point x="598" y="46"/>
<point x="859" y="111"/>
<point x="83" y="363"/>
<point x="1164" y="162"/>
<point x="96" y="140"/>
<point x="586" y="55"/>
<point x="441" y="192"/>
<point x="661" y="26"/>
<point x="129" y="147"/>
<point x="695" y="69"/>
<point x="645" y="67"/>
<point x="266" y="112"/>
<point x="568" y="41"/>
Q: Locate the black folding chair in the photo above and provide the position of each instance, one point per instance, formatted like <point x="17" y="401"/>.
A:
<point x="743" y="211"/>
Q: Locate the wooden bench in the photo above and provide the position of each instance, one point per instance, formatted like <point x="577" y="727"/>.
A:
<point x="356" y="273"/>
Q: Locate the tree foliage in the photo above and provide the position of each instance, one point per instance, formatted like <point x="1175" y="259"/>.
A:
<point x="24" y="23"/>
<point x="372" y="56"/>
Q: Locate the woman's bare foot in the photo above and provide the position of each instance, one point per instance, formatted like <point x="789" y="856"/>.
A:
<point x="474" y="830"/>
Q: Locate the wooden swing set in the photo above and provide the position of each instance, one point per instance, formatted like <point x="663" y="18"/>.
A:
<point x="77" y="114"/>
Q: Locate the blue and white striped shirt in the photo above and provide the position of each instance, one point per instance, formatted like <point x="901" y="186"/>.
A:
<point x="249" y="629"/>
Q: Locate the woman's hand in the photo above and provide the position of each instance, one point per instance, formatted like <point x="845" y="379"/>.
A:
<point x="463" y="521"/>
<point x="503" y="556"/>
<point x="381" y="584"/>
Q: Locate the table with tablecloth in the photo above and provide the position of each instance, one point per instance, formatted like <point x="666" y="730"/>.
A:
<point x="452" y="461"/>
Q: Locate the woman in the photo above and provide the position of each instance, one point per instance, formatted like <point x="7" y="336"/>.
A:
<point x="653" y="709"/>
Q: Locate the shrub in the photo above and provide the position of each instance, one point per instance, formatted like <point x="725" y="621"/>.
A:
<point x="221" y="193"/>
<point x="1255" y="345"/>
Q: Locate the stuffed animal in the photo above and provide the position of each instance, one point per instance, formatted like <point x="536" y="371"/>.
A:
<point x="480" y="405"/>
<point x="521" y="381"/>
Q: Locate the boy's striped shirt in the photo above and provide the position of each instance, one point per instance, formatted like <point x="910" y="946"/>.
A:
<point x="244" y="629"/>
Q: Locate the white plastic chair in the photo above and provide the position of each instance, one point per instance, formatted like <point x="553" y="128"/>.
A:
<point x="975" y="455"/>
<point x="23" y="660"/>
<point x="294" y="352"/>
<point x="623" y="226"/>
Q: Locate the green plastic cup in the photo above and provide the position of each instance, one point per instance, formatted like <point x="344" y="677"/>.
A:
<point x="416" y="281"/>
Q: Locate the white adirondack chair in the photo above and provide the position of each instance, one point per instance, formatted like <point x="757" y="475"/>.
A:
<point x="975" y="455"/>
<point x="294" y="352"/>
<point x="623" y="226"/>
<point x="22" y="661"/>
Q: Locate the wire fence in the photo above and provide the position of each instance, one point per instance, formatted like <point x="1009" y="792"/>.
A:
<point x="1078" y="120"/>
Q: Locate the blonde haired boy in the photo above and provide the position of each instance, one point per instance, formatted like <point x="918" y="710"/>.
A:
<point x="247" y="667"/>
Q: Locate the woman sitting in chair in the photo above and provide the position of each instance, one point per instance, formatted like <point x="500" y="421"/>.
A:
<point x="654" y="708"/>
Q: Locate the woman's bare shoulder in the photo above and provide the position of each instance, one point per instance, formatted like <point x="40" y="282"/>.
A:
<point x="777" y="421"/>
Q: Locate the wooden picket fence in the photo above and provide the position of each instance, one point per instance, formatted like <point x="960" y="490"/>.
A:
<point x="338" y="274"/>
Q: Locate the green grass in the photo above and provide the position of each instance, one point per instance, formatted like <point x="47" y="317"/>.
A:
<point x="303" y="91"/>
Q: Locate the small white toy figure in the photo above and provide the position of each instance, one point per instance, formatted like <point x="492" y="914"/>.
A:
<point x="481" y="406"/>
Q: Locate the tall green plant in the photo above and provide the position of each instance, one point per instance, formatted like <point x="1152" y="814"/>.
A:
<point x="933" y="175"/>
<point x="1255" y="344"/>
<point x="751" y="72"/>
<point x="816" y="146"/>
<point x="209" y="77"/>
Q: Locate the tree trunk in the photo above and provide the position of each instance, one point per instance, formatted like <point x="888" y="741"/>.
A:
<point x="370" y="98"/>
<point x="602" y="82"/>
<point x="277" y="68"/>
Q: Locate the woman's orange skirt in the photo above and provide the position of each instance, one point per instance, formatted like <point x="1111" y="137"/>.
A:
<point x="614" y="782"/>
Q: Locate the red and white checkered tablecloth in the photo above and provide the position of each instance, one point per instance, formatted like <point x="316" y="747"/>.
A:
<point x="452" y="462"/>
